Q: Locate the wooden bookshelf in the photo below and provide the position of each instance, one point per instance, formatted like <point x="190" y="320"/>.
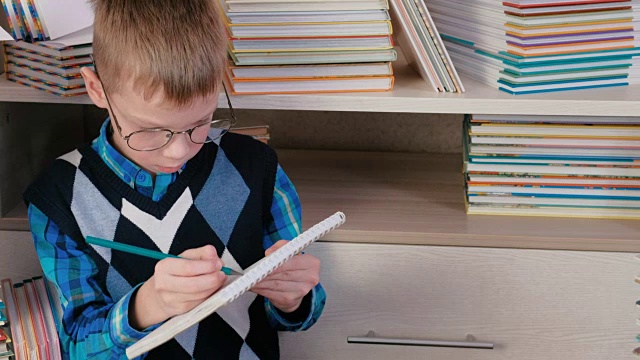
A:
<point x="397" y="198"/>
<point x="412" y="95"/>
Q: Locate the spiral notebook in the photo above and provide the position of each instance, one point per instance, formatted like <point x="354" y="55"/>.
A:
<point x="254" y="274"/>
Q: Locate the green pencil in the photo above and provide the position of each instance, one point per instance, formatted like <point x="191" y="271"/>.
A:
<point x="143" y="252"/>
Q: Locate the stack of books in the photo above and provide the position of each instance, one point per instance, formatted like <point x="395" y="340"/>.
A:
<point x="290" y="46"/>
<point x="258" y="132"/>
<point x="553" y="166"/>
<point x="33" y="313"/>
<point x="422" y="45"/>
<point x="52" y="66"/>
<point x="532" y="46"/>
<point x="50" y="44"/>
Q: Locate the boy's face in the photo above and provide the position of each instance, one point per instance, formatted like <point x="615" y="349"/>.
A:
<point x="135" y="113"/>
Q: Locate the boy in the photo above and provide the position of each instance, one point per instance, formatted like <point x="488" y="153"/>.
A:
<point x="162" y="176"/>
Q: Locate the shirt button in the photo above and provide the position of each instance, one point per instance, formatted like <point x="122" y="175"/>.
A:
<point x="142" y="177"/>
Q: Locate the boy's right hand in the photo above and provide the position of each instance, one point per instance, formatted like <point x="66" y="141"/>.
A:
<point x="177" y="286"/>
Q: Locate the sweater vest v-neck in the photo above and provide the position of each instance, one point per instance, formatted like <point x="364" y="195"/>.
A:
<point x="222" y="197"/>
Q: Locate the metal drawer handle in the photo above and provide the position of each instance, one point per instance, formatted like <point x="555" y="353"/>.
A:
<point x="371" y="338"/>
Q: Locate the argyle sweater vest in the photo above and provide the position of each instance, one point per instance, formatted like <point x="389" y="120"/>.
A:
<point x="222" y="197"/>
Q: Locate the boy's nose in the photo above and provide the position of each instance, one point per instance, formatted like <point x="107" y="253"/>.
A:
<point x="178" y="147"/>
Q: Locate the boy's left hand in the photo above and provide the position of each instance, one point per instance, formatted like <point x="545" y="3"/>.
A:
<point x="288" y="284"/>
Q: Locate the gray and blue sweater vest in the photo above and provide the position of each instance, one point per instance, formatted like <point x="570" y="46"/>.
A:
<point x="223" y="197"/>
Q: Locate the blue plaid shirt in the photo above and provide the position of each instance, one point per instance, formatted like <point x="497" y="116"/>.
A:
<point x="97" y="326"/>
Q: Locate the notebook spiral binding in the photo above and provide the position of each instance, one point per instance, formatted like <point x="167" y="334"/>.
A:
<point x="303" y="240"/>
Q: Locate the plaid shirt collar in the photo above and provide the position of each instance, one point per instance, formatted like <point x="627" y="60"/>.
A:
<point x="128" y="171"/>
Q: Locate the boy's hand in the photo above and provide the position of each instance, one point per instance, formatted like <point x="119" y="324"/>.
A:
<point x="177" y="286"/>
<point x="288" y="284"/>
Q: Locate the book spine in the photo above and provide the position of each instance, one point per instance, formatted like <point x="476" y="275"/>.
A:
<point x="9" y="19"/>
<point x="21" y="14"/>
<point x="19" y="20"/>
<point x="36" y="20"/>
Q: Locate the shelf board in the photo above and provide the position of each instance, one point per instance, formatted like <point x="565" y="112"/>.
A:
<point x="413" y="95"/>
<point x="418" y="199"/>
<point x="16" y="219"/>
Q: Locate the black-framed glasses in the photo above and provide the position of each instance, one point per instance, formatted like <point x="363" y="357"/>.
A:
<point x="156" y="138"/>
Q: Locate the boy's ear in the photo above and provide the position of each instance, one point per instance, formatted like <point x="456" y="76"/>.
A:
<point x="94" y="87"/>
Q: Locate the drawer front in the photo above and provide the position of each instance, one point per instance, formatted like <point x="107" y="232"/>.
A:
<point x="531" y="304"/>
<point x="18" y="259"/>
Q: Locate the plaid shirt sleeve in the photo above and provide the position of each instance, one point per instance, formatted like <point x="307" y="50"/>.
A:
<point x="94" y="326"/>
<point x="286" y="214"/>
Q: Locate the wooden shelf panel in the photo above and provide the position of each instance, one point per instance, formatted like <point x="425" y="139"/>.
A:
<point x="413" y="95"/>
<point x="16" y="219"/>
<point x="418" y="199"/>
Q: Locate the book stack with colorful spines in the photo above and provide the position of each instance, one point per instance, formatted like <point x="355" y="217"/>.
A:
<point x="553" y="166"/>
<point x="52" y="42"/>
<point x="532" y="46"/>
<point x="51" y="66"/>
<point x="308" y="47"/>
<point x="34" y="313"/>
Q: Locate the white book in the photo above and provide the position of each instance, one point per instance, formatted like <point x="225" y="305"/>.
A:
<point x="519" y="190"/>
<point x="311" y="57"/>
<point x="310" y="29"/>
<point x="541" y="2"/>
<point x="572" y="66"/>
<point x="568" y="181"/>
<point x="557" y="77"/>
<point x="561" y="142"/>
<point x="554" y="170"/>
<point x="14" y="20"/>
<point x="557" y="119"/>
<point x="49" y="319"/>
<point x="558" y="151"/>
<point x="53" y="79"/>
<point x="519" y="160"/>
<point x="65" y="72"/>
<point x="538" y="210"/>
<point x="307" y="16"/>
<point x="21" y="79"/>
<point x="64" y="17"/>
<point x="569" y="19"/>
<point x="570" y="39"/>
<point x="232" y="290"/>
<point x="311" y="44"/>
<point x="589" y="27"/>
<point x="13" y="53"/>
<point x="302" y="86"/>
<point x="554" y="130"/>
<point x="72" y="45"/>
<point x="35" y="309"/>
<point x="28" y="328"/>
<point x="563" y="202"/>
<point x="555" y="9"/>
<point x="311" y="71"/>
<point x="296" y="5"/>
<point x="29" y="20"/>
<point x="412" y="48"/>
<point x="587" y="55"/>
<point x="563" y="86"/>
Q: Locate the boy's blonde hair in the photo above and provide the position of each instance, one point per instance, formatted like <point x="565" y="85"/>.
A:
<point x="177" y="47"/>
